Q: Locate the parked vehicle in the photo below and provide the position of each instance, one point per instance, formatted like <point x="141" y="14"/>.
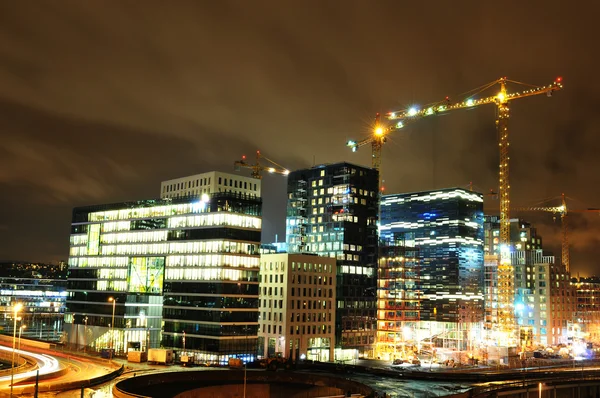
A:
<point x="277" y="361"/>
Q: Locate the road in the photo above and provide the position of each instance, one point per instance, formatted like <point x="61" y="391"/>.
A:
<point x="54" y="368"/>
<point x="403" y="386"/>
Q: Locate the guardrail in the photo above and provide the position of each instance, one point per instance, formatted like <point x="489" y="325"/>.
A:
<point x="74" y="384"/>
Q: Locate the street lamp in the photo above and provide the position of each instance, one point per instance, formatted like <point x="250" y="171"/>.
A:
<point x="85" y="334"/>
<point x="112" y="332"/>
<point x="16" y="310"/>
<point x="19" y="353"/>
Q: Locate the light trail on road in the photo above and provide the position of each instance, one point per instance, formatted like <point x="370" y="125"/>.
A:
<point x="46" y="364"/>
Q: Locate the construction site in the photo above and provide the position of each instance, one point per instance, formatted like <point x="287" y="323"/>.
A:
<point x="402" y="329"/>
<point x="490" y="306"/>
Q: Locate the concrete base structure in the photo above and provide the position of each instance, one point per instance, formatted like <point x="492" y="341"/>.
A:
<point x="229" y="384"/>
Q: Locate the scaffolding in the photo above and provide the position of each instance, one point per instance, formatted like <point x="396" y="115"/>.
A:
<point x="398" y="298"/>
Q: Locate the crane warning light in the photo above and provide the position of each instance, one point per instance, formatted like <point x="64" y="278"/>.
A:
<point x="243" y="157"/>
<point x="559" y="79"/>
<point x="379" y="131"/>
<point x="412" y="111"/>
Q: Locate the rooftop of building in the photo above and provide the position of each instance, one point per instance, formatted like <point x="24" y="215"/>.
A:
<point x="163" y="202"/>
<point x="324" y="165"/>
<point x="587" y="279"/>
<point x="211" y="172"/>
<point x="442" y="190"/>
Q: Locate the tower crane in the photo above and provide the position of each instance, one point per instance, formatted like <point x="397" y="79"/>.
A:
<point x="258" y="168"/>
<point x="399" y="119"/>
<point x="563" y="211"/>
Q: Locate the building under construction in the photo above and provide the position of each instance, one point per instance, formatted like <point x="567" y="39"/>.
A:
<point x="398" y="298"/>
<point x="447" y="228"/>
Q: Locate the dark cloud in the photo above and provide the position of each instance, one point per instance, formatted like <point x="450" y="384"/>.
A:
<point x="100" y="104"/>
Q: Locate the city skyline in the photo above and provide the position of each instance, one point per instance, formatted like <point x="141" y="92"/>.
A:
<point x="101" y="105"/>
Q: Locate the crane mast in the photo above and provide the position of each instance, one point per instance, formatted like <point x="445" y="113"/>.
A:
<point x="565" y="234"/>
<point x="399" y="119"/>
<point x="563" y="211"/>
<point x="504" y="187"/>
<point x="506" y="290"/>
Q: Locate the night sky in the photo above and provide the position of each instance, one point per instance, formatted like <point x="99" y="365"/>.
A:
<point x="101" y="101"/>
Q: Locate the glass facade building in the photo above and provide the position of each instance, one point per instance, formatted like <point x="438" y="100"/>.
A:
<point x="447" y="226"/>
<point x="332" y="211"/>
<point x="183" y="272"/>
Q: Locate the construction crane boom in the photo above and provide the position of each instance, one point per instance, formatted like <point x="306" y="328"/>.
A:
<point x="258" y="168"/>
<point x="501" y="99"/>
<point x="563" y="211"/>
<point x="399" y="119"/>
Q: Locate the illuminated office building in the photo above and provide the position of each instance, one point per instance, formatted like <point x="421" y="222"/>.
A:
<point x="523" y="236"/>
<point x="297" y="306"/>
<point x="525" y="243"/>
<point x="332" y="212"/>
<point x="545" y="299"/>
<point x="183" y="271"/>
<point x="447" y="226"/>
<point x="588" y="307"/>
<point x="209" y="183"/>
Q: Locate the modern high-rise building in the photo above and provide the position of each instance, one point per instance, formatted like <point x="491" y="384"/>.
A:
<point x="332" y="211"/>
<point x="545" y="300"/>
<point x="209" y="183"/>
<point x="297" y="306"/>
<point x="523" y="236"/>
<point x="587" y="317"/>
<point x="176" y="272"/>
<point x="447" y="226"/>
<point x="523" y="239"/>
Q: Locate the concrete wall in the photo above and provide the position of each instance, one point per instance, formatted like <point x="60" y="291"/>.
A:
<point x="27" y="342"/>
<point x="263" y="391"/>
<point x="229" y="384"/>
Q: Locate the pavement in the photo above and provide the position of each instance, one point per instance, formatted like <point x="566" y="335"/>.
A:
<point x="82" y="366"/>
